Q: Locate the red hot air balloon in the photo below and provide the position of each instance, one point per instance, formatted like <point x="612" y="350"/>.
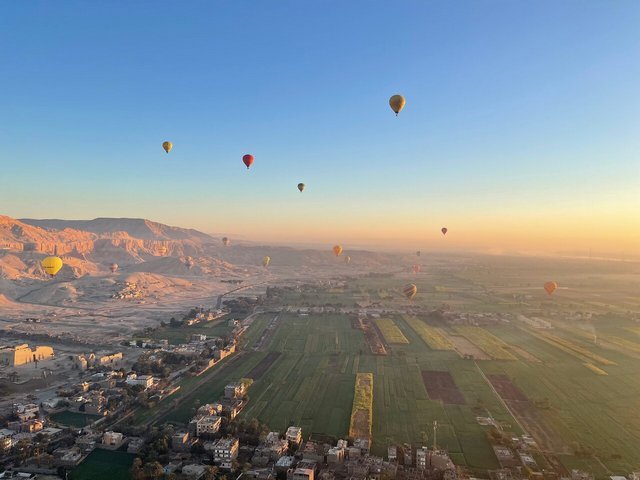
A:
<point x="247" y="160"/>
<point x="444" y="230"/>
<point x="550" y="287"/>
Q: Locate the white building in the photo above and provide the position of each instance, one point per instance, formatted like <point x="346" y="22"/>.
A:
<point x="294" y="435"/>
<point x="112" y="438"/>
<point x="145" y="380"/>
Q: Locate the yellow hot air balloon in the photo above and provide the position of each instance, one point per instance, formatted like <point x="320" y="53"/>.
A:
<point x="167" y="146"/>
<point x="337" y="249"/>
<point x="347" y="259"/>
<point x="410" y="291"/>
<point x="266" y="260"/>
<point x="52" y="265"/>
<point x="550" y="287"/>
<point x="396" y="103"/>
<point x="301" y="186"/>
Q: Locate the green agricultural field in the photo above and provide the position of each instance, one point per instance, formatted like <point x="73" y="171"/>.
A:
<point x="104" y="465"/>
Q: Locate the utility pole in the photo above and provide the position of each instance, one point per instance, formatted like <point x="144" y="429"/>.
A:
<point x="435" y="428"/>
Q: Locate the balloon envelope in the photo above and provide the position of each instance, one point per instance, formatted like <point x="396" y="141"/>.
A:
<point x="416" y="269"/>
<point x="167" y="146"/>
<point x="418" y="253"/>
<point x="444" y="230"/>
<point x="550" y="287"/>
<point x="301" y="186"/>
<point x="113" y="267"/>
<point x="247" y="160"/>
<point x="51" y="265"/>
<point x="337" y="249"/>
<point x="410" y="291"/>
<point x="347" y="259"/>
<point x="225" y="241"/>
<point x="396" y="103"/>
<point x="266" y="260"/>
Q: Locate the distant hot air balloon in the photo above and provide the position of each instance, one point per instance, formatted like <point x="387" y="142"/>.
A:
<point x="444" y="230"/>
<point x="266" y="260"/>
<point x="301" y="186"/>
<point x="225" y="241"/>
<point x="416" y="269"/>
<point x="247" y="160"/>
<point x="347" y="259"/>
<point x="188" y="261"/>
<point x="52" y="265"/>
<point x="113" y="267"/>
<point x="418" y="253"/>
<point x="550" y="287"/>
<point x="396" y="103"/>
<point x="167" y="146"/>
<point x="337" y="249"/>
<point x="163" y="250"/>
<point x="410" y="291"/>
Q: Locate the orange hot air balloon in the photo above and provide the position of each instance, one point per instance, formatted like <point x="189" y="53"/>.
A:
<point x="410" y="291"/>
<point x="550" y="287"/>
<point x="337" y="249"/>
<point x="247" y="160"/>
<point x="416" y="269"/>
<point x="444" y="230"/>
<point x="113" y="267"/>
<point x="167" y="146"/>
<point x="396" y="102"/>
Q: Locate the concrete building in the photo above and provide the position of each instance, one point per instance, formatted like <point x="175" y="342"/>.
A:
<point x="302" y="474"/>
<point x="225" y="450"/>
<point x="294" y="435"/>
<point x="180" y="442"/>
<point x="234" y="390"/>
<point x="112" y="438"/>
<point x="194" y="471"/>
<point x="23" y="354"/>
<point x="208" y="425"/>
<point x="145" y="380"/>
<point x="392" y="453"/>
<point x="422" y="455"/>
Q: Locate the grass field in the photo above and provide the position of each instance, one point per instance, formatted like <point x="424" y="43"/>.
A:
<point x="73" y="419"/>
<point x="390" y="331"/>
<point x="104" y="465"/>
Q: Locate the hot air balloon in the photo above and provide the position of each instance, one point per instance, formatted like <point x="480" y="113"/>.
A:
<point x="266" y="260"/>
<point x="188" y="261"/>
<point x="550" y="287"/>
<point x="163" y="250"/>
<point x="337" y="249"/>
<point x="396" y="103"/>
<point x="113" y="267"/>
<point x="247" y="160"/>
<point x="301" y="186"/>
<point x="444" y="230"/>
<point x="347" y="259"/>
<point x="416" y="269"/>
<point x="52" y="265"/>
<point x="410" y="291"/>
<point x="418" y="253"/>
<point x="167" y="146"/>
<point x="225" y="241"/>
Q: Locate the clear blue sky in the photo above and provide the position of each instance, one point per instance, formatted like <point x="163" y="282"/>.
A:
<point x="516" y="111"/>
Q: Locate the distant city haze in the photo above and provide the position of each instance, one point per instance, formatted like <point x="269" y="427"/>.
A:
<point x="520" y="131"/>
